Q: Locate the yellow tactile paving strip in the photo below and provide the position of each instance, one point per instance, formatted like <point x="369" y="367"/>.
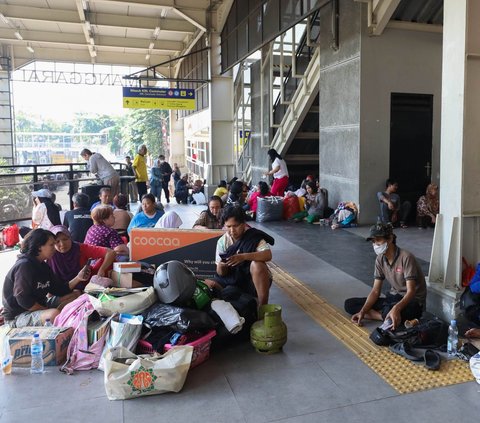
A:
<point x="403" y="375"/>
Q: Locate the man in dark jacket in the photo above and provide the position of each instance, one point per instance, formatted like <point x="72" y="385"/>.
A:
<point x="242" y="255"/>
<point x="78" y="220"/>
<point x="166" y="171"/>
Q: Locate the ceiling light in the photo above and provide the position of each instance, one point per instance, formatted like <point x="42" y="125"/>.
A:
<point x="4" y="19"/>
<point x="92" y="41"/>
<point x="151" y="45"/>
<point x="18" y="35"/>
<point x="163" y="13"/>
<point x="30" y="49"/>
<point x="156" y="32"/>
<point x="147" y="57"/>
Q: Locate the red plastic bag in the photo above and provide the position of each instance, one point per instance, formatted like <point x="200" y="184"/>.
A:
<point x="290" y="207"/>
<point x="11" y="235"/>
<point x="468" y="272"/>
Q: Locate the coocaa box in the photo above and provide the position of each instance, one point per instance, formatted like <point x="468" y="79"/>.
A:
<point x="55" y="344"/>
<point x="195" y="248"/>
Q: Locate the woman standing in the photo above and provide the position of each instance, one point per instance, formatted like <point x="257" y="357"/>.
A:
<point x="279" y="172"/>
<point x="156" y="181"/>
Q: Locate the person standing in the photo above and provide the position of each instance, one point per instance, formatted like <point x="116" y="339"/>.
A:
<point x="101" y="167"/>
<point x="140" y="167"/>
<point x="176" y="177"/>
<point x="166" y="171"/>
<point x="279" y="172"/>
<point x="132" y="186"/>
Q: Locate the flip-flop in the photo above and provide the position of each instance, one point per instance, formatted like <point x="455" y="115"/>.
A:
<point x="432" y="360"/>
<point x="405" y="350"/>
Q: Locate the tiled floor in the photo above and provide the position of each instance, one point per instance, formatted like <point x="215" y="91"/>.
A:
<point x="314" y="379"/>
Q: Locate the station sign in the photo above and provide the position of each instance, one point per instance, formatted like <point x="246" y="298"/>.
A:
<point x="158" y="98"/>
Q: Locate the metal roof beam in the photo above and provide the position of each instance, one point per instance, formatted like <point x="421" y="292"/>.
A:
<point x="185" y="5"/>
<point x="380" y="12"/>
<point x="102" y="19"/>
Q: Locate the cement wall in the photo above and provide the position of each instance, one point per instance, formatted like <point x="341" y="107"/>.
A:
<point x="402" y="62"/>
<point x="339" y="98"/>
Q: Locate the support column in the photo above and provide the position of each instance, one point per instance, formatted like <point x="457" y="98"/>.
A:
<point x="7" y="151"/>
<point x="458" y="228"/>
<point x="177" y="142"/>
<point x="222" y="164"/>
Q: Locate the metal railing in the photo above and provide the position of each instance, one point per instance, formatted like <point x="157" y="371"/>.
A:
<point x="18" y="181"/>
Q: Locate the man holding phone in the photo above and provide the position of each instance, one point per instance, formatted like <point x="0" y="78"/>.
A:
<point x="242" y="255"/>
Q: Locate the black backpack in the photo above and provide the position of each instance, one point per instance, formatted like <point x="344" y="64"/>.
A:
<point x="431" y="333"/>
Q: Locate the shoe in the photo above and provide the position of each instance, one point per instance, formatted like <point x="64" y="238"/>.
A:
<point x="432" y="360"/>
<point x="405" y="350"/>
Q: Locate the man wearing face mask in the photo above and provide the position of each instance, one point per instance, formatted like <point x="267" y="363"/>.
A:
<point x="407" y="296"/>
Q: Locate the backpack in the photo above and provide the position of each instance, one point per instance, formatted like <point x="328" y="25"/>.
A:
<point x="430" y="334"/>
<point x="80" y="356"/>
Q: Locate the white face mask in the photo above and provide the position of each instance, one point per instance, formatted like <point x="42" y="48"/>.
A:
<point x="380" y="249"/>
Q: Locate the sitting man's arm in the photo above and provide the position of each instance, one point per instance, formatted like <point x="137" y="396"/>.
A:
<point x="394" y="313"/>
<point x="371" y="300"/>
<point x="263" y="256"/>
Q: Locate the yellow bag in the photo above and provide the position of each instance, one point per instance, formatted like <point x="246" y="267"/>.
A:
<point x="301" y="203"/>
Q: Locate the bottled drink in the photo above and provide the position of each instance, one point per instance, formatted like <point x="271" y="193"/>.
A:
<point x="7" y="357"/>
<point x="452" y="342"/>
<point x="48" y="323"/>
<point x="37" y="354"/>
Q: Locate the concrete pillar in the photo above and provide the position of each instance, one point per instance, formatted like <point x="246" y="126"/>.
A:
<point x="458" y="227"/>
<point x="177" y="142"/>
<point x="6" y="112"/>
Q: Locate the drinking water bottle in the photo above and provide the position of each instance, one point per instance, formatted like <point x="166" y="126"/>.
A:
<point x="452" y="343"/>
<point x="37" y="354"/>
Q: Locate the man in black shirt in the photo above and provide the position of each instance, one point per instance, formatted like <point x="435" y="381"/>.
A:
<point x="78" y="220"/>
<point x="166" y="171"/>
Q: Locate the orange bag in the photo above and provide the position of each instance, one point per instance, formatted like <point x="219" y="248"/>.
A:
<point x="468" y="272"/>
<point x="11" y="235"/>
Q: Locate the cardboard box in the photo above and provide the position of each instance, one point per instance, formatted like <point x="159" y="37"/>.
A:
<point x="122" y="280"/>
<point x="55" y="344"/>
<point x="127" y="267"/>
<point x="195" y="248"/>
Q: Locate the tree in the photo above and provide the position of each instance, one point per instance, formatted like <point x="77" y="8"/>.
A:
<point x="144" y="126"/>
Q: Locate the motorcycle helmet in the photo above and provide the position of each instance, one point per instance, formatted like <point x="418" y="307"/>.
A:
<point x="174" y="283"/>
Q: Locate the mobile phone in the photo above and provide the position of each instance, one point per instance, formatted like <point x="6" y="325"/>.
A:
<point x="87" y="266"/>
<point x="223" y="256"/>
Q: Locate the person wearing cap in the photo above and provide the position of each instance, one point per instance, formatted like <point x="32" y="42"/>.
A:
<point x="406" y="299"/>
<point x="44" y="214"/>
<point x="70" y="257"/>
<point x="32" y="292"/>
<point x="101" y="167"/>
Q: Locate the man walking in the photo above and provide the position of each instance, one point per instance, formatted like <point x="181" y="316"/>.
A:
<point x="140" y="168"/>
<point x="101" y="167"/>
<point x="166" y="171"/>
<point x="132" y="186"/>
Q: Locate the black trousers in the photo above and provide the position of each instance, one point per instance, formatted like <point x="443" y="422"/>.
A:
<point x="166" y="191"/>
<point x="413" y="310"/>
<point x="142" y="189"/>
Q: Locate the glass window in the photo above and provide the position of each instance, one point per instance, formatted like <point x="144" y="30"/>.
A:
<point x="254" y="31"/>
<point x="271" y="19"/>
<point x="243" y="39"/>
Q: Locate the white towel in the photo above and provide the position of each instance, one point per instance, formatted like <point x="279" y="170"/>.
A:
<point x="230" y="317"/>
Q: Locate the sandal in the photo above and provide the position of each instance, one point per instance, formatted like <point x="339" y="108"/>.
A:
<point x="403" y="226"/>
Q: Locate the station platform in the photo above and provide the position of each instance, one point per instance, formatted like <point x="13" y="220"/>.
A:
<point x="315" y="379"/>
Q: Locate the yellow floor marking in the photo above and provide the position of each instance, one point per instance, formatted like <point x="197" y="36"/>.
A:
<point x="403" y="375"/>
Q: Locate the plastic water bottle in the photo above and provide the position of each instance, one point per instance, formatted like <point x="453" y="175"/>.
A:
<point x="37" y="354"/>
<point x="48" y="323"/>
<point x="452" y="343"/>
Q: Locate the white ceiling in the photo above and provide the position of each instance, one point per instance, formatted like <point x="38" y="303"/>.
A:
<point x="115" y="32"/>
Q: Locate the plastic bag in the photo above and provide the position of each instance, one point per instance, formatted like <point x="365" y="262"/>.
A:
<point x="179" y="319"/>
<point x="128" y="375"/>
<point x="290" y="207"/>
<point x="125" y="331"/>
<point x="11" y="235"/>
<point x="269" y="209"/>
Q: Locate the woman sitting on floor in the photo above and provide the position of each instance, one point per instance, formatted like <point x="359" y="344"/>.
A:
<point x="70" y="257"/>
<point x="149" y="215"/>
<point x="210" y="218"/>
<point x="315" y="204"/>
<point x="102" y="234"/>
<point x="428" y="207"/>
<point x="170" y="220"/>
<point x="263" y="190"/>
<point x="32" y="293"/>
<point x="121" y="214"/>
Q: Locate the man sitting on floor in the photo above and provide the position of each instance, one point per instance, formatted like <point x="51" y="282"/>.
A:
<point x="407" y="297"/>
<point x="242" y="255"/>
